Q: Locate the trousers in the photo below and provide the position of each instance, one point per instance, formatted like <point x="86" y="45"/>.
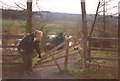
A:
<point x="27" y="62"/>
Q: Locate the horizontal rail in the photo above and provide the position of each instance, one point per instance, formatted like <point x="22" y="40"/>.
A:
<point x="59" y="57"/>
<point x="12" y="36"/>
<point x="102" y="65"/>
<point x="60" y="45"/>
<point x="17" y="56"/>
<point x="101" y="38"/>
<point x="11" y="63"/>
<point x="9" y="46"/>
<point x="54" y="53"/>
<point x="47" y="65"/>
<point x="54" y="49"/>
<point x="104" y="58"/>
<point x="102" y="49"/>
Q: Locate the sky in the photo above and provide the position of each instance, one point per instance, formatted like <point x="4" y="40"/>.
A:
<point x="63" y="6"/>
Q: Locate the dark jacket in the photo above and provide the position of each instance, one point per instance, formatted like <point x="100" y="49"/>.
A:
<point x="28" y="45"/>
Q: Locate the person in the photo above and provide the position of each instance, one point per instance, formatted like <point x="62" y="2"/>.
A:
<point x="26" y="48"/>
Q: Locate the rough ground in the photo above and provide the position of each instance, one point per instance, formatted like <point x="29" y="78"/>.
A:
<point x="42" y="73"/>
<point x="50" y="72"/>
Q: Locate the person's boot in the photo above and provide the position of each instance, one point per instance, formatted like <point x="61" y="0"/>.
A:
<point x="30" y="72"/>
<point x="25" y="73"/>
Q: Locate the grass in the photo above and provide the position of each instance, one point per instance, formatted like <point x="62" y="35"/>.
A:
<point x="35" y="59"/>
<point x="105" y="54"/>
<point x="17" y="26"/>
<point x="95" y="72"/>
<point x="91" y="73"/>
<point x="13" y="26"/>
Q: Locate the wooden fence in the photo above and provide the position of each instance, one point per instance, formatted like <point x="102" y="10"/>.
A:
<point x="114" y="41"/>
<point x="9" y="57"/>
<point x="51" y="54"/>
<point x="54" y="52"/>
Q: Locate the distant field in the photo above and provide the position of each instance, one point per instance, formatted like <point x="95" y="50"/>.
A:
<point x="17" y="26"/>
<point x="13" y="26"/>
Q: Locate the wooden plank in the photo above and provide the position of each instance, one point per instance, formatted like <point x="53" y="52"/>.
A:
<point x="60" y="45"/>
<point x="54" y="49"/>
<point x="9" y="46"/>
<point x="11" y="63"/>
<point x="102" y="38"/>
<point x="66" y="55"/>
<point x="12" y="36"/>
<point x="57" y="52"/>
<point x="102" y="49"/>
<point x="47" y="65"/>
<point x="104" y="58"/>
<point x="54" y="53"/>
<point x="102" y="65"/>
<point x="55" y="61"/>
<point x="70" y="54"/>
<point x="17" y="56"/>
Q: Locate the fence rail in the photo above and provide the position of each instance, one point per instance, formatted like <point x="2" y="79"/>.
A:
<point x="58" y="58"/>
<point x="102" y="38"/>
<point x="102" y="49"/>
<point x="104" y="58"/>
<point x="91" y="48"/>
<point x="9" y="46"/>
<point x="12" y="36"/>
<point x="102" y="65"/>
<point x="54" y="51"/>
<point x="17" y="56"/>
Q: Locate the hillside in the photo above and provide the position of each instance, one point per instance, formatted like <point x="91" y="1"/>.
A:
<point x="53" y="16"/>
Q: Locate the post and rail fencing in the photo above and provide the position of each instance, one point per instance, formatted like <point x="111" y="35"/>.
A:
<point x="91" y="47"/>
<point x="56" y="58"/>
<point x="5" y="47"/>
<point x="49" y="54"/>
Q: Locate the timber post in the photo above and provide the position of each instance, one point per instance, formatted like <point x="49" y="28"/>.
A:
<point x="29" y="17"/>
<point x="84" y="29"/>
<point x="66" y="57"/>
<point x="119" y="38"/>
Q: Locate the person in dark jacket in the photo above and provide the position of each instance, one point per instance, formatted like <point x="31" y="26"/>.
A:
<point x="26" y="48"/>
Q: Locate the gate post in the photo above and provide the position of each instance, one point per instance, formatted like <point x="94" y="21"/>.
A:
<point x="29" y="17"/>
<point x="84" y="29"/>
<point x="119" y="38"/>
<point x="66" y="57"/>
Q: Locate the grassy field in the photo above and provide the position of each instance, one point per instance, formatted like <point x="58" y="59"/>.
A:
<point x="17" y="26"/>
<point x="13" y="26"/>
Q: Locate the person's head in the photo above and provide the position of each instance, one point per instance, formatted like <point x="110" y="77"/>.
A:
<point x="38" y="35"/>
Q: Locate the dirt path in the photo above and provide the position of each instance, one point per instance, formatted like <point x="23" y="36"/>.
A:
<point x="42" y="73"/>
<point x="50" y="72"/>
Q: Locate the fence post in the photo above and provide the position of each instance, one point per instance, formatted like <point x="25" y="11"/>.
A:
<point x="119" y="37"/>
<point x="29" y="17"/>
<point x="84" y="29"/>
<point x="1" y="43"/>
<point x="66" y="57"/>
<point x="89" y="50"/>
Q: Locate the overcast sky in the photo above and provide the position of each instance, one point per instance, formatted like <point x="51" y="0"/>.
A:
<point x="64" y="6"/>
